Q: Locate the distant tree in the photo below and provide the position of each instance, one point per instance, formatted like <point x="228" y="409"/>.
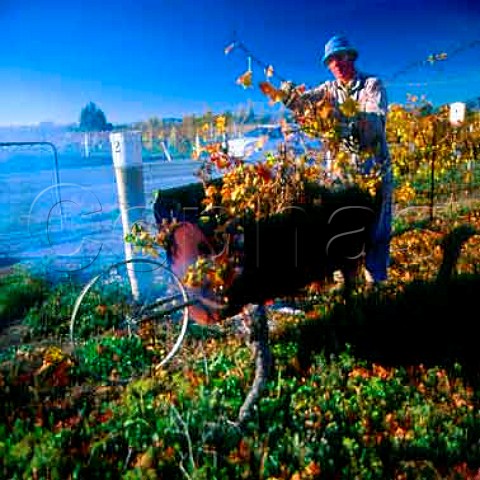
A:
<point x="207" y="120"/>
<point x="229" y="121"/>
<point x="208" y="117"/>
<point x="173" y="138"/>
<point x="250" y="115"/>
<point x="151" y="130"/>
<point x="229" y="116"/>
<point x="266" y="118"/>
<point x="92" y="119"/>
<point x="188" y="128"/>
<point x="185" y="147"/>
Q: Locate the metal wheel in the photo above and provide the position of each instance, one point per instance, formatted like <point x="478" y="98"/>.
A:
<point x="128" y="319"/>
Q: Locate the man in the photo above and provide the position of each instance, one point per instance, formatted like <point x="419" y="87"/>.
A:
<point x="361" y="133"/>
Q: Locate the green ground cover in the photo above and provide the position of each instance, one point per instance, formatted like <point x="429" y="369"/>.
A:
<point x="382" y="385"/>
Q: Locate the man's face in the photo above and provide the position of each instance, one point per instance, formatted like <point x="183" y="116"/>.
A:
<point x="342" y="66"/>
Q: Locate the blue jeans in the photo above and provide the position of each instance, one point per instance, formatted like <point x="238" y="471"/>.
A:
<point x="378" y="256"/>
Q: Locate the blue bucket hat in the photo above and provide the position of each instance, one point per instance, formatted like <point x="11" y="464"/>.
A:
<point x="338" y="44"/>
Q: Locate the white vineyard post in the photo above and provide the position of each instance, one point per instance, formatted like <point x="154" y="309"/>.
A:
<point x="127" y="161"/>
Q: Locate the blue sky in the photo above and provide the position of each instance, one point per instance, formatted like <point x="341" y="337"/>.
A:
<point x="140" y="58"/>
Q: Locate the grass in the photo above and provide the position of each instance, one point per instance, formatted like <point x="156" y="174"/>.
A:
<point x="382" y="385"/>
<point x="18" y="293"/>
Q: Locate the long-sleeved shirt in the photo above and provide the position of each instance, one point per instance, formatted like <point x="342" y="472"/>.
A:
<point x="367" y="127"/>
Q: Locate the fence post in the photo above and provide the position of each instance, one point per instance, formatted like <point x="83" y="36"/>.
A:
<point x="86" y="144"/>
<point x="456" y="119"/>
<point x="432" y="183"/>
<point x="127" y="161"/>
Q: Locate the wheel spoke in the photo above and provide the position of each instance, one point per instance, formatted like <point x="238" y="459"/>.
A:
<point x="129" y="330"/>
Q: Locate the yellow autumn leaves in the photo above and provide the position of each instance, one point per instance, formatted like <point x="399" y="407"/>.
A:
<point x="208" y="273"/>
<point x="418" y="134"/>
<point x="349" y="107"/>
<point x="261" y="189"/>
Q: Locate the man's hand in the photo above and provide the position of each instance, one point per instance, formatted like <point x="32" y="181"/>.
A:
<point x="291" y="92"/>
